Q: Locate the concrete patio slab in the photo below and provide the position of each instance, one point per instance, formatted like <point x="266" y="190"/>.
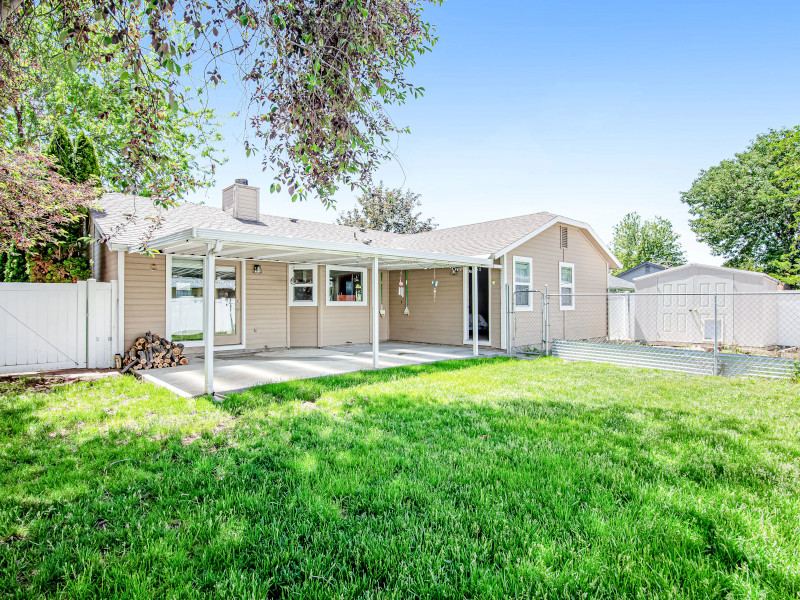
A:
<point x="239" y="371"/>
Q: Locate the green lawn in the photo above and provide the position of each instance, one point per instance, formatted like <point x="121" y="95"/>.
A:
<point x="482" y="479"/>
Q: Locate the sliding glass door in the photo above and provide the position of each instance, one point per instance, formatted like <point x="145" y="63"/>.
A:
<point x="186" y="301"/>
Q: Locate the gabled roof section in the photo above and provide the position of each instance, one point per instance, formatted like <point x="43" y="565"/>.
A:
<point x="725" y="270"/>
<point x="643" y="264"/>
<point x="487" y="240"/>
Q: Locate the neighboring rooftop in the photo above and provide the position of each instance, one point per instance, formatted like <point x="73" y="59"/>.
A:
<point x="615" y="283"/>
<point x="643" y="268"/>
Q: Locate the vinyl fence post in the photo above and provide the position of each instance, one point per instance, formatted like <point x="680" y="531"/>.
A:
<point x="716" y="338"/>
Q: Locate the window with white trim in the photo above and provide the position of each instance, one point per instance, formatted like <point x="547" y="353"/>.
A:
<point x="523" y="283"/>
<point x="347" y="285"/>
<point x="566" y="287"/>
<point x="303" y="285"/>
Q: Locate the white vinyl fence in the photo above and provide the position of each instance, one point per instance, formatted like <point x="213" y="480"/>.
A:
<point x="45" y="326"/>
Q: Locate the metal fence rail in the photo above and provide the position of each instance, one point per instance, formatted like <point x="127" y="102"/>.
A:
<point x="734" y="334"/>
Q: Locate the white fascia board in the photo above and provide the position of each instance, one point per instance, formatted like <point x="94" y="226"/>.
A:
<point x="613" y="261"/>
<point x="250" y="239"/>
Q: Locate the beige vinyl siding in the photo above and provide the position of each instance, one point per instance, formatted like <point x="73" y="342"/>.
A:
<point x="266" y="296"/>
<point x="591" y="276"/>
<point x="439" y="322"/>
<point x="145" y="296"/>
<point x="107" y="263"/>
<point x="496" y="307"/>
<point x="303" y="326"/>
<point x="346" y="324"/>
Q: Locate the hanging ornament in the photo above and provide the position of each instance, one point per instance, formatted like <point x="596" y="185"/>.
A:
<point x="434" y="284"/>
<point x="405" y="294"/>
<point x="382" y="312"/>
<point x="400" y="291"/>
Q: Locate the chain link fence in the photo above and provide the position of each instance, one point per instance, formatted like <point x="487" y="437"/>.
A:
<point x="745" y="334"/>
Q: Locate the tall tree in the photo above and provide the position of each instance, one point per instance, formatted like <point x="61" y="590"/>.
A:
<point x="318" y="77"/>
<point x="746" y="208"/>
<point x="637" y="240"/>
<point x="383" y="209"/>
<point x="62" y="151"/>
<point x="85" y="163"/>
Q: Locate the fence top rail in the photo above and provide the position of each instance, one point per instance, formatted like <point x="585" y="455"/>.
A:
<point x="708" y="294"/>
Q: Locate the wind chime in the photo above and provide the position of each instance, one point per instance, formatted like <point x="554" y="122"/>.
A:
<point x="402" y="290"/>
<point x="382" y="312"/>
<point x="434" y="284"/>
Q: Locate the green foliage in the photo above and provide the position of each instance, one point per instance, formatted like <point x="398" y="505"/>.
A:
<point x="86" y="165"/>
<point x="469" y="479"/>
<point x="383" y="209"/>
<point x="3" y="261"/>
<point x="62" y="151"/>
<point x="746" y="208"/>
<point x="66" y="259"/>
<point x="636" y="241"/>
<point x="16" y="267"/>
<point x="317" y="80"/>
<point x="141" y="145"/>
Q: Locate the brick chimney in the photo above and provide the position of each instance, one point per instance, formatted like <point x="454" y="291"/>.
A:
<point x="241" y="201"/>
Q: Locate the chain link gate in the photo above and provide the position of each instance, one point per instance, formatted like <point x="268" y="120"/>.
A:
<point x="734" y="334"/>
<point x="527" y="320"/>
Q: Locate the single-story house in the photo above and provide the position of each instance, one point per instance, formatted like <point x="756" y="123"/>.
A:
<point x="280" y="282"/>
<point x="677" y="305"/>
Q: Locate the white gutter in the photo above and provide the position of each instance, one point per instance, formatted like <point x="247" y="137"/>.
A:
<point x="207" y="235"/>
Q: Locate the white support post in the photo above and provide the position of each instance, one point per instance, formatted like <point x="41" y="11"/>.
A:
<point x="208" y="316"/>
<point x="475" y="327"/>
<point x="376" y="317"/>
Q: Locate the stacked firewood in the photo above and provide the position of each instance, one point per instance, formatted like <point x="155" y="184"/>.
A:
<point x="153" y="352"/>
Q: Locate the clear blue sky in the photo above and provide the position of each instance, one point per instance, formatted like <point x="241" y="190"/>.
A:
<point x="586" y="109"/>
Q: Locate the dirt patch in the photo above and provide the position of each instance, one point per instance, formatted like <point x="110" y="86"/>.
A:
<point x="190" y="439"/>
<point x="46" y="381"/>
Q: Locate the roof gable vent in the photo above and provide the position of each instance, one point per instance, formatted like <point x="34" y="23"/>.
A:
<point x="241" y="201"/>
<point x="564" y="237"/>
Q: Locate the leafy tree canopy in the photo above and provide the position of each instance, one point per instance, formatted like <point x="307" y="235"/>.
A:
<point x="746" y="208"/>
<point x="317" y="79"/>
<point x="383" y="209"/>
<point x="37" y="205"/>
<point x="637" y="240"/>
<point x="100" y="98"/>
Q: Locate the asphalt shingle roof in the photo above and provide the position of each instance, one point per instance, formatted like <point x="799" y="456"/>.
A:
<point x="477" y="239"/>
